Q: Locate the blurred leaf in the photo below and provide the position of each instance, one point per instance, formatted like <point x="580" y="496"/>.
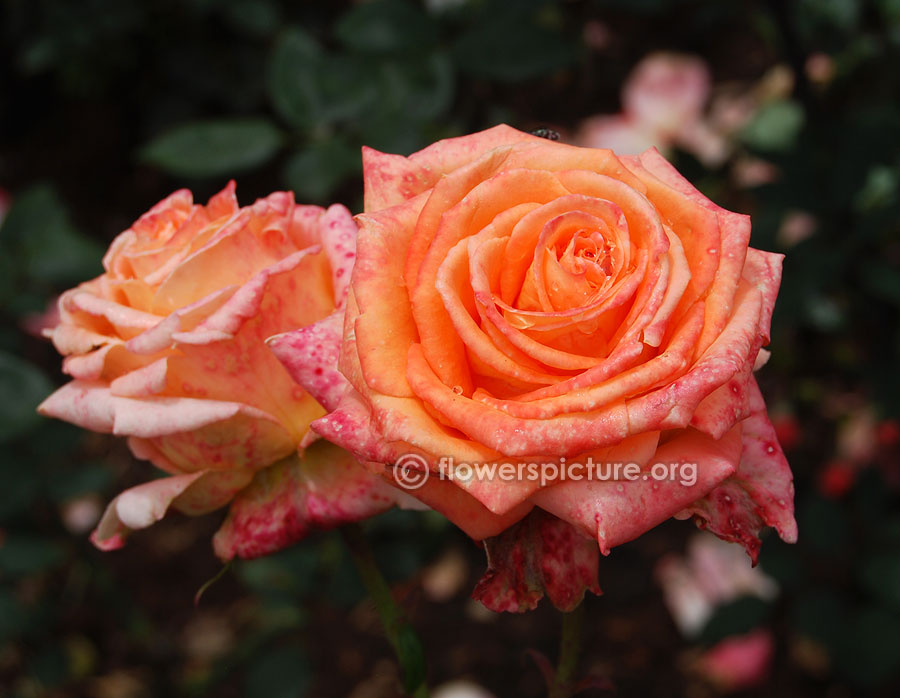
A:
<point x="18" y="487"/>
<point x="315" y="172"/>
<point x="513" y="51"/>
<point x="823" y="313"/>
<point x="214" y="148"/>
<point x="80" y="479"/>
<point x="843" y="14"/>
<point x="819" y="614"/>
<point x="824" y="524"/>
<point x="416" y="90"/>
<point x="879" y="190"/>
<point x="13" y="616"/>
<point x="310" y="89"/>
<point x="292" y="77"/>
<point x="871" y="647"/>
<point x="347" y="88"/>
<point x="27" y="554"/>
<point x="49" y="667"/>
<point x="781" y="562"/>
<point x="884" y="282"/>
<point x="38" y="234"/>
<point x="880" y="574"/>
<point x="22" y="388"/>
<point x="412" y="657"/>
<point x="254" y="17"/>
<point x="281" y="672"/>
<point x="735" y="618"/>
<point x="386" y="26"/>
<point x="775" y="126"/>
<point x="292" y="571"/>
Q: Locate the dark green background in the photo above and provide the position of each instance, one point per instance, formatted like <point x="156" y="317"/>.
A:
<point x="106" y="106"/>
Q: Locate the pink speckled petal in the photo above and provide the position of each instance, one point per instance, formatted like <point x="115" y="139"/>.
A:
<point x="392" y="179"/>
<point x="759" y="494"/>
<point x="194" y="434"/>
<point x="462" y="509"/>
<point x="539" y="555"/>
<point x="324" y="488"/>
<point x="339" y="242"/>
<point x="144" y="505"/>
<point x="617" y="512"/>
<point x="310" y="355"/>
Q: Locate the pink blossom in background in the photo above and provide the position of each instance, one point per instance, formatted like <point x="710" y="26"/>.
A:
<point x="737" y="662"/>
<point x="712" y="573"/>
<point x="663" y="103"/>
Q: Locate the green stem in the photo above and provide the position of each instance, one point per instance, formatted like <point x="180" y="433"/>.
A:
<point x="569" y="650"/>
<point x="399" y="632"/>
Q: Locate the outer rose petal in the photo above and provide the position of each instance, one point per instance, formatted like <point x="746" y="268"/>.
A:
<point x="144" y="505"/>
<point x="539" y="555"/>
<point x="617" y="512"/>
<point x="324" y="488"/>
<point x="392" y="179"/>
<point x="759" y="494"/>
<point x="311" y="354"/>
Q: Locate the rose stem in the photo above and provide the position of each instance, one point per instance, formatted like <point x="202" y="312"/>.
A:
<point x="569" y="649"/>
<point x="400" y="634"/>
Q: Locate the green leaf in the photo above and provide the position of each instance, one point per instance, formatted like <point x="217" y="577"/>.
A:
<point x="315" y="172"/>
<point x="416" y="90"/>
<point x="214" y="148"/>
<point x="22" y="388"/>
<point x="386" y="26"/>
<point x="879" y="190"/>
<point x="775" y="126"/>
<point x="292" y="82"/>
<point x="310" y="89"/>
<point x="38" y="240"/>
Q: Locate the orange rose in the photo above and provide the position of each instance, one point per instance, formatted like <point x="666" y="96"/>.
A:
<point x="168" y="348"/>
<point x="521" y="301"/>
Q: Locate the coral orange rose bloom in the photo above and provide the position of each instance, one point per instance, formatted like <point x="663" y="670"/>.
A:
<point x="517" y="300"/>
<point x="167" y="347"/>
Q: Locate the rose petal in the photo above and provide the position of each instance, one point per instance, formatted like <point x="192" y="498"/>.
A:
<point x="759" y="494"/>
<point x="144" y="505"/>
<point x="617" y="512"/>
<point x="310" y="354"/>
<point x="539" y="555"/>
<point x="322" y="489"/>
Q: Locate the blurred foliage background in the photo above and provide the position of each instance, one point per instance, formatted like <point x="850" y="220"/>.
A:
<point x="106" y="106"/>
